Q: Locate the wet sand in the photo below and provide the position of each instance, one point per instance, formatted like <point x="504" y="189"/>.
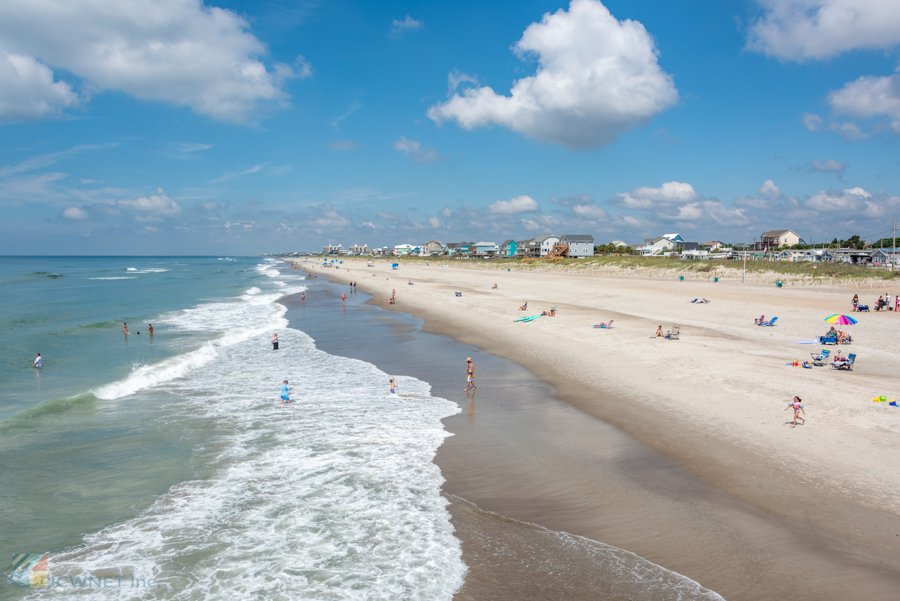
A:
<point x="521" y="452"/>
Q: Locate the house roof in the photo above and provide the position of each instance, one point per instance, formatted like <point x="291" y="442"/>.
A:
<point x="508" y="242"/>
<point x="618" y="243"/>
<point x="540" y="239"/>
<point x="577" y="238"/>
<point x="777" y="233"/>
<point x="673" y="237"/>
<point x="485" y="244"/>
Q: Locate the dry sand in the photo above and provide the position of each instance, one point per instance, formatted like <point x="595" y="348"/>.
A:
<point x="713" y="401"/>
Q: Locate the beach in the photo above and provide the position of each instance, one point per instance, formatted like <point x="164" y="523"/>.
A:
<point x="721" y="488"/>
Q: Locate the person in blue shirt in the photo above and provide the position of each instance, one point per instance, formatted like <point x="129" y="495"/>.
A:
<point x="285" y="393"/>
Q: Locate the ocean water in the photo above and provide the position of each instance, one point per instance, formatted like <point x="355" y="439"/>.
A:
<point x="168" y="469"/>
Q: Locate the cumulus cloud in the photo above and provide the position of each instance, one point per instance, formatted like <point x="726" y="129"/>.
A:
<point x="769" y="198"/>
<point x="589" y="211"/>
<point x="180" y="52"/>
<point x="28" y="91"/>
<point x="414" y="150"/>
<point x="596" y="78"/>
<point x="854" y="200"/>
<point x="74" y="213"/>
<point x="869" y="97"/>
<point x="399" y="27"/>
<point x="798" y="30"/>
<point x="519" y="204"/>
<point x="811" y="121"/>
<point x="826" y="166"/>
<point x="645" y="197"/>
<point x="158" y="204"/>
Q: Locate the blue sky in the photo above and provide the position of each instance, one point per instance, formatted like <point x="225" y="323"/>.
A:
<point x="174" y="126"/>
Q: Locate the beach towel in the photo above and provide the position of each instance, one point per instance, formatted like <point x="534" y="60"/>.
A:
<point x="806" y="342"/>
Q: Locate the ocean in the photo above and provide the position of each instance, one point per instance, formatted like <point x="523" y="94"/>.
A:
<point x="167" y="467"/>
<point x="169" y="464"/>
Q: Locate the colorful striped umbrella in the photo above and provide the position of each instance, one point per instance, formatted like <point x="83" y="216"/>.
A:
<point x="841" y="320"/>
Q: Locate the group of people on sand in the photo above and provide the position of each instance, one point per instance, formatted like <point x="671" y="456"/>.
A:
<point x="125" y="329"/>
<point x="883" y="303"/>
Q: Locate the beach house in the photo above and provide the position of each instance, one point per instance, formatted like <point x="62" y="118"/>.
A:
<point x="403" y="249"/>
<point x="547" y="242"/>
<point x="509" y="249"/>
<point x="485" y="249"/>
<point x="579" y="246"/>
<point x="778" y="239"/>
<point x="432" y="247"/>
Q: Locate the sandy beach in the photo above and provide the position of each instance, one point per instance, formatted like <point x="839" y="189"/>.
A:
<point x="760" y="506"/>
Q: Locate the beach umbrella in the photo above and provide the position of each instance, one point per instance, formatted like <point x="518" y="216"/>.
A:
<point x="841" y="320"/>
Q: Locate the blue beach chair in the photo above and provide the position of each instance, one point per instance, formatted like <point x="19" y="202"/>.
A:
<point x="771" y="322"/>
<point x="821" y="358"/>
<point x="841" y="363"/>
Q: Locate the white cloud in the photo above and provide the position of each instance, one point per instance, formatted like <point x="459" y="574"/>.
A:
<point x="415" y="150"/>
<point x="811" y="121"/>
<point x="826" y="166"/>
<point x="856" y="201"/>
<point x="590" y="211"/>
<point x="769" y="189"/>
<point x="27" y="89"/>
<point x="818" y="29"/>
<point x="455" y="79"/>
<point x="519" y="204"/>
<point x="869" y="97"/>
<point x="435" y="223"/>
<point x="158" y="204"/>
<point x="74" y="213"/>
<point x="181" y="52"/>
<point x="398" y="27"/>
<point x="596" y="78"/>
<point x="645" y="197"/>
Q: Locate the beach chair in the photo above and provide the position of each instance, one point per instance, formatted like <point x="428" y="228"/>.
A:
<point x="844" y="363"/>
<point x="821" y="358"/>
<point x="674" y="333"/>
<point x="771" y="322"/>
<point x="459" y="294"/>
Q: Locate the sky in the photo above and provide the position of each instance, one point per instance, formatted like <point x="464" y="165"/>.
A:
<point x="189" y="127"/>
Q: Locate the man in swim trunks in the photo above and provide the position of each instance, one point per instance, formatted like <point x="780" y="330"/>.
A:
<point x="285" y="393"/>
<point x="470" y="375"/>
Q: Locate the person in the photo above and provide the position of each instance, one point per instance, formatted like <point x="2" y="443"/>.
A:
<point x="303" y="297"/>
<point x="553" y="312"/>
<point x="470" y="374"/>
<point x="390" y="301"/>
<point x="762" y="319"/>
<point x="524" y="307"/>
<point x="275" y="342"/>
<point x="887" y="300"/>
<point x="494" y="287"/>
<point x="285" y="393"/>
<point x="393" y="293"/>
<point x="879" y="306"/>
<point x="125" y="327"/>
<point x="38" y="362"/>
<point x="659" y="332"/>
<point x="855" y="302"/>
<point x="392" y="386"/>
<point x="150" y="328"/>
<point x="343" y="298"/>
<point x="797" y="407"/>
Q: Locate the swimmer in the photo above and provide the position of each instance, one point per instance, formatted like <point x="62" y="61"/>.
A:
<point x="392" y="386"/>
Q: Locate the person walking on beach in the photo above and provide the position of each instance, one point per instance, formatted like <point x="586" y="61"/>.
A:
<point x="797" y="407"/>
<point x="470" y="375"/>
<point x="393" y="294"/>
<point x="285" y="393"/>
<point x="38" y="362"/>
<point x="855" y="301"/>
<point x="275" y="342"/>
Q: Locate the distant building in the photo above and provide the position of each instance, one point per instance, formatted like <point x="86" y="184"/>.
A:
<point x="579" y="245"/>
<point x="359" y="250"/>
<point x="432" y="247"/>
<point x="486" y="249"/>
<point x="618" y="243"/>
<point x="777" y="239"/>
<point x="546" y="243"/>
<point x="509" y="248"/>
<point x="403" y="249"/>
<point x="712" y="245"/>
<point x="330" y="249"/>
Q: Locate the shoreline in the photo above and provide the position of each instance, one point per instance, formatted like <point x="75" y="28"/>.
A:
<point x="815" y="516"/>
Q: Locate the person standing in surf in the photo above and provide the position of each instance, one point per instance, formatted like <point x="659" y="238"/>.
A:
<point x="150" y="328"/>
<point x="38" y="362"/>
<point x="392" y="386"/>
<point x="285" y="393"/>
<point x="343" y="298"/>
<point x="470" y="375"/>
<point x="275" y="342"/>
